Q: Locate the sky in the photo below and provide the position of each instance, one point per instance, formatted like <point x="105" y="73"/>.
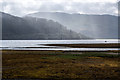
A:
<point x="24" y="7"/>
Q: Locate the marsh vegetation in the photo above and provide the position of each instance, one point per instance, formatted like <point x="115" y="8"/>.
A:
<point x="60" y="65"/>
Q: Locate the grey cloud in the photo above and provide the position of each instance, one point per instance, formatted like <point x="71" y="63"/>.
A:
<point x="75" y="7"/>
<point x="51" y="7"/>
<point x="95" y="8"/>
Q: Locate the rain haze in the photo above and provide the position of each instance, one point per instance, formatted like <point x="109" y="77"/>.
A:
<point x="86" y="18"/>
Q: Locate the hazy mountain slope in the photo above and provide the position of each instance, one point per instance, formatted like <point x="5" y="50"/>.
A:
<point x="119" y="19"/>
<point x="34" y="28"/>
<point x="96" y="26"/>
<point x="15" y="27"/>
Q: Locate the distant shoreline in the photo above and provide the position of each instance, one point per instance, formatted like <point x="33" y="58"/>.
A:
<point x="96" y="45"/>
<point x="57" y="51"/>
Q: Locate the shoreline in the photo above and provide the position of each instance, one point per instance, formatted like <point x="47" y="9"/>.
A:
<point x="56" y="52"/>
<point x="63" y="50"/>
<point x="103" y="45"/>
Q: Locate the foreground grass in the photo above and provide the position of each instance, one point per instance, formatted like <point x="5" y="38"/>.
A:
<point x="59" y="65"/>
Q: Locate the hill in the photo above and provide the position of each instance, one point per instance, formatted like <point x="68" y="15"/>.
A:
<point x="30" y="28"/>
<point x="95" y="26"/>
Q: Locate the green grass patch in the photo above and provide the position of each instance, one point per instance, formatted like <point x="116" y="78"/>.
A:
<point x="79" y="56"/>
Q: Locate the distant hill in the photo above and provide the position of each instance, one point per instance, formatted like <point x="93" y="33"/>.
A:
<point x="30" y="28"/>
<point x="95" y="26"/>
<point x="119" y="19"/>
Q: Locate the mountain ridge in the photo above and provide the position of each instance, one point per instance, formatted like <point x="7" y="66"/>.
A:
<point x="30" y="28"/>
<point x="95" y="26"/>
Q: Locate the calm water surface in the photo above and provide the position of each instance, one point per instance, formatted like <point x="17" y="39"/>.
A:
<point x="39" y="44"/>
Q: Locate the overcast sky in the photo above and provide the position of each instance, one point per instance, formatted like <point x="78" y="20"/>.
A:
<point x="23" y="7"/>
